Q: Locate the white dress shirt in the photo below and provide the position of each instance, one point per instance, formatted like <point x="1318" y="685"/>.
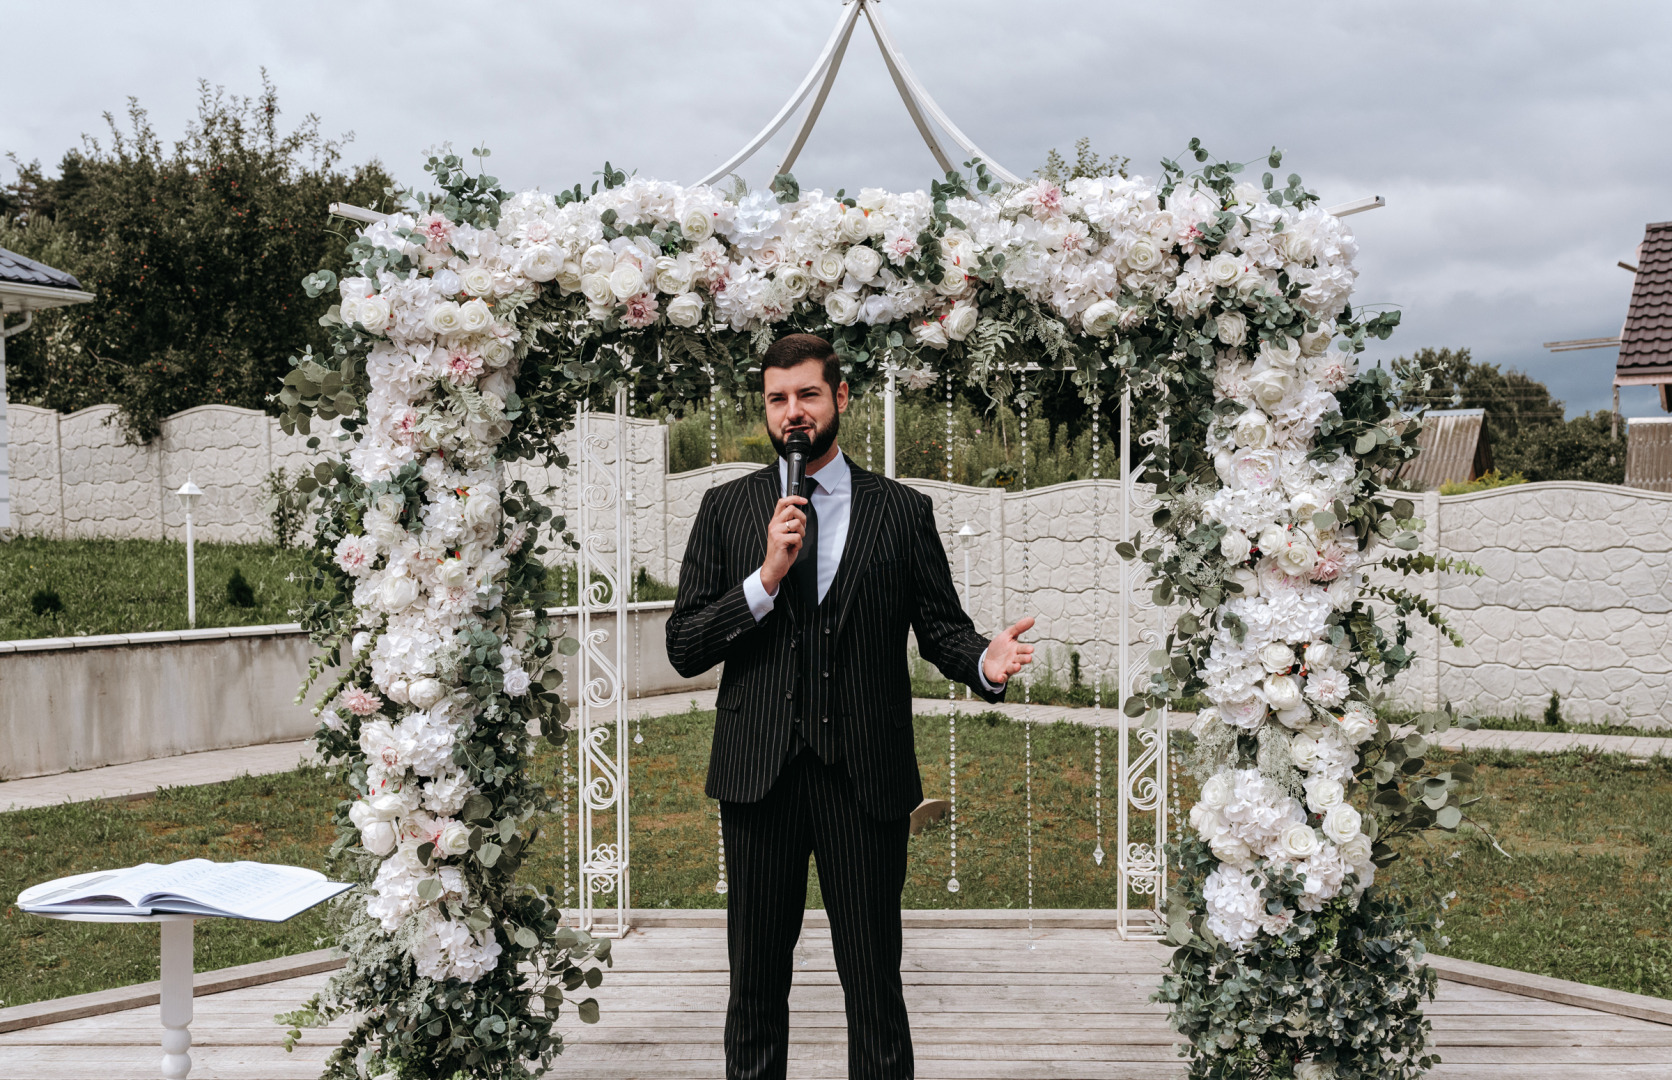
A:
<point x="832" y="500"/>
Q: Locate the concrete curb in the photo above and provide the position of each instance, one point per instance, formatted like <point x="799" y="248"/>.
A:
<point x="138" y="996"/>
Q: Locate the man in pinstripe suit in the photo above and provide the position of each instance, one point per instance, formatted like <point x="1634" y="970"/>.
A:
<point x="806" y="597"/>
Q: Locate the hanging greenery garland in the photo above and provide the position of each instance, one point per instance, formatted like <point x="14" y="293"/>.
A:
<point x="470" y="326"/>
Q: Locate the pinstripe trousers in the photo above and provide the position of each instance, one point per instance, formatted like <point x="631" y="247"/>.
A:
<point x="812" y="809"/>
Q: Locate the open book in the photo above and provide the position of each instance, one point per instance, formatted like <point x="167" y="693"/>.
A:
<point x="235" y="890"/>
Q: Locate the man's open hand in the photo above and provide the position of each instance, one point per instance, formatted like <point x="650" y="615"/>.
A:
<point x="785" y="534"/>
<point x="1006" y="655"/>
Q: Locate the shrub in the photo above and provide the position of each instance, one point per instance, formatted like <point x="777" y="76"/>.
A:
<point x="1491" y="479"/>
<point x="286" y="506"/>
<point x="1553" y="711"/>
<point x="46" y="600"/>
<point x="238" y="591"/>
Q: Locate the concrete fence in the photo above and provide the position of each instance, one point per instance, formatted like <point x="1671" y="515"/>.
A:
<point x="79" y="703"/>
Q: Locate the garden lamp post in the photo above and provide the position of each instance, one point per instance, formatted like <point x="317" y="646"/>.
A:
<point x="189" y="493"/>
<point x="966" y="540"/>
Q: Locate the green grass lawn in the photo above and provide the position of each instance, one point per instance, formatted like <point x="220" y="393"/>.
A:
<point x="1585" y="896"/>
<point x="132" y="586"/>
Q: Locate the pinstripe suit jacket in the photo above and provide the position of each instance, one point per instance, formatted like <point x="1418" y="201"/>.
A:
<point x="893" y="575"/>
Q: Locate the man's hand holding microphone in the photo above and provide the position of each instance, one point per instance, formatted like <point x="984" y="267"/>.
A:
<point x="787" y="530"/>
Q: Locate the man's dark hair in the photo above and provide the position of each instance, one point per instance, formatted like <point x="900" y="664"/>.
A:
<point x="793" y="350"/>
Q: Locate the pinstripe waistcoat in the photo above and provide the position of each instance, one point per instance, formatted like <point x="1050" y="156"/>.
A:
<point x="893" y="577"/>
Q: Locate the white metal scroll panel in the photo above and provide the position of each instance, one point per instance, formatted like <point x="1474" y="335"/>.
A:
<point x="603" y="574"/>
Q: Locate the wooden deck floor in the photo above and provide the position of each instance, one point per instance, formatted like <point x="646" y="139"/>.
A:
<point x="985" y="1003"/>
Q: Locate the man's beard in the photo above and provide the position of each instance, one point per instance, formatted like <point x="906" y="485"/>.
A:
<point x="821" y="438"/>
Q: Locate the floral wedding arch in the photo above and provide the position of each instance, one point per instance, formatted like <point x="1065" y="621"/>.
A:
<point x="470" y="327"/>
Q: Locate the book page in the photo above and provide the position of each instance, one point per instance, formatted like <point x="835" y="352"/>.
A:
<point x="248" y="890"/>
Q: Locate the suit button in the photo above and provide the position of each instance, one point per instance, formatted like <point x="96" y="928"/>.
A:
<point x="794" y="642"/>
<point x="827" y="674"/>
<point x="824" y="719"/>
<point x="788" y="694"/>
<point x="827" y="630"/>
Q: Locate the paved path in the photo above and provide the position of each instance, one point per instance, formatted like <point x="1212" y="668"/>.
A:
<point x="213" y="766"/>
<point x="987" y="1003"/>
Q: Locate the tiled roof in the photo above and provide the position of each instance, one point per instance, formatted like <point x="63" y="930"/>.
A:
<point x="17" y="269"/>
<point x="1649" y="453"/>
<point x="1450" y="449"/>
<point x="1646" y="341"/>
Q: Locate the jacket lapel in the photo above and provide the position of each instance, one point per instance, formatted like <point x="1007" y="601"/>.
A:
<point x="864" y="523"/>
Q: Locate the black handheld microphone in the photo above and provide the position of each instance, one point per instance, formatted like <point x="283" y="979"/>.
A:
<point x="797" y="448"/>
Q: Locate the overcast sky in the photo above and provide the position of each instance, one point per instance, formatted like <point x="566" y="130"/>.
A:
<point x="1520" y="146"/>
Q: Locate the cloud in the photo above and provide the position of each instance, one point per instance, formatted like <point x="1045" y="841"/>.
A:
<point x="1518" y="146"/>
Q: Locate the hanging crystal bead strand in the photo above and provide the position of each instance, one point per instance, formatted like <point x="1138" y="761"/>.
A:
<point x="568" y="888"/>
<point x="1097" y="626"/>
<point x="713" y="463"/>
<point x="1027" y="680"/>
<point x="951" y="691"/>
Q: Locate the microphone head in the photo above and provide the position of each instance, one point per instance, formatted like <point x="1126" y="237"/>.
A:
<point x="797" y="442"/>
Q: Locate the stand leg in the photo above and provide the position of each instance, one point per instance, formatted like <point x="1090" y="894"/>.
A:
<point x="177" y="998"/>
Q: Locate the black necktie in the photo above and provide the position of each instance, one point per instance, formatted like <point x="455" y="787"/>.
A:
<point x="805" y="573"/>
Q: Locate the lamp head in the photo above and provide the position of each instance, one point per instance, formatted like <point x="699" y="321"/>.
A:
<point x="189" y="493"/>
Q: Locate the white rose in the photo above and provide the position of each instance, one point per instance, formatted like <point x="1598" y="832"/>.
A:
<point x="1245" y="713"/>
<point x="1272" y="539"/>
<point x="1294" y="719"/>
<point x="1298" y="842"/>
<point x="598" y="259"/>
<point x="1281" y="692"/>
<point x="1357" y="851"/>
<point x="960" y="322"/>
<point x="1228" y="849"/>
<point x="1342" y="823"/>
<point x="373" y="313"/>
<point x="1235" y="546"/>
<point x="426" y="692"/>
<point x="1253" y="430"/>
<point x="854" y="226"/>
<point x="398" y="592"/>
<point x="1297" y="557"/>
<point x="1271" y="386"/>
<point x="697" y="225"/>
<point x="540" y="263"/>
<point x="1286" y="357"/>
<point x="477" y="281"/>
<point x="829" y="267"/>
<point x="1320" y="654"/>
<point x="1324" y="794"/>
<point x="497" y="353"/>
<point x="379" y="837"/>
<point x="674" y="276"/>
<point x="1233" y="328"/>
<point x="626" y="279"/>
<point x="1303" y="751"/>
<point x="454" y="839"/>
<point x="1143" y="256"/>
<point x="1277" y="657"/>
<point x="842" y="307"/>
<point x="1316" y="343"/>
<point x="1297" y="246"/>
<point x="475" y="316"/>
<point x="1217" y="790"/>
<point x="1358" y="723"/>
<point x="1224" y="269"/>
<point x="794" y="281"/>
<point x="685" y="309"/>
<point x="361" y="814"/>
<point x="1205" y="822"/>
<point x="1343" y="592"/>
<point x="516" y="682"/>
<point x="863" y="262"/>
<point x="929" y="333"/>
<point x="1248" y="579"/>
<point x="568" y="275"/>
<point x="446" y="282"/>
<point x="362" y="641"/>
<point x="444" y="317"/>
<point x="596" y="288"/>
<point x="1100" y="318"/>
<point x="1314" y="1070"/>
<point x="482" y="510"/>
<point x="452" y="573"/>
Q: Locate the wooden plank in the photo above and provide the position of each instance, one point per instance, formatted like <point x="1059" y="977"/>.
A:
<point x="1638" y="1006"/>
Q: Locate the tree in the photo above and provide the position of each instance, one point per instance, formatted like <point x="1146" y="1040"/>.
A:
<point x="1579" y="449"/>
<point x="195" y="252"/>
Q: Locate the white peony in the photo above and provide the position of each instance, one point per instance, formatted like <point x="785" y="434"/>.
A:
<point x="426" y="692"/>
<point x="685" y="309"/>
<point x="1100" y="318"/>
<point x="598" y="259"/>
<point x="674" y="276"/>
<point x="1246" y="712"/>
<point x="1277" y="657"/>
<point x="1253" y="430"/>
<point x="1320" y="654"/>
<point x="1342" y="823"/>
<point x="398" y="593"/>
<point x="842" y="307"/>
<point x="540" y="263"/>
<point x="863" y="263"/>
<point x="1281" y="692"/>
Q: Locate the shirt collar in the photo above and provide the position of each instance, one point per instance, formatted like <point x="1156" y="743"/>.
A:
<point x="833" y="479"/>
